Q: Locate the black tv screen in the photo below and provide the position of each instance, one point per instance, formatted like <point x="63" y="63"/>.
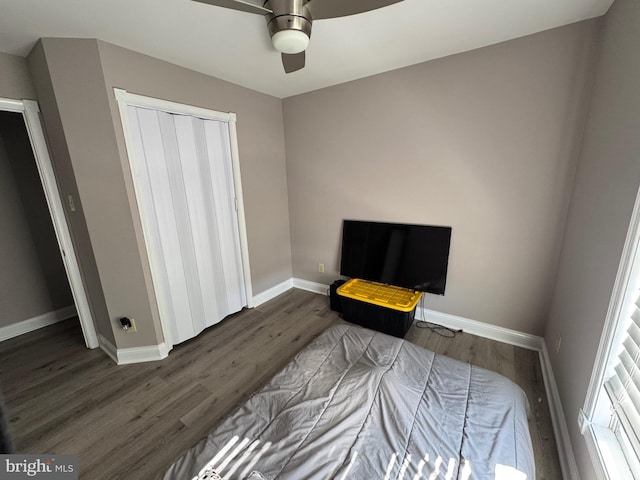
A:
<point x="409" y="256"/>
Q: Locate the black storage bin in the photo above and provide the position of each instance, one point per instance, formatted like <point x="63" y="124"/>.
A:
<point x="335" y="302"/>
<point x="385" y="320"/>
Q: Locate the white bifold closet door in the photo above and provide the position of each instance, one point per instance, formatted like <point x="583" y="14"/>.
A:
<point x="183" y="177"/>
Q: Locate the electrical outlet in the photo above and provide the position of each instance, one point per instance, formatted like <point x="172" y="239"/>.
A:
<point x="132" y="329"/>
<point x="558" y="343"/>
<point x="321" y="267"/>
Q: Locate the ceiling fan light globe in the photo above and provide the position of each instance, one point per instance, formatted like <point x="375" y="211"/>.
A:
<point x="290" y="41"/>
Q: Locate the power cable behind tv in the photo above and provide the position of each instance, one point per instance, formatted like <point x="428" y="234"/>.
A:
<point x="435" y="327"/>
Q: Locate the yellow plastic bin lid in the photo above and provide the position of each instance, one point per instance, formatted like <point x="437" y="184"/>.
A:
<point x="388" y="296"/>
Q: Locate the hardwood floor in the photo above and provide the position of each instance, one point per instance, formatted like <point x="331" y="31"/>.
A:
<point x="132" y="421"/>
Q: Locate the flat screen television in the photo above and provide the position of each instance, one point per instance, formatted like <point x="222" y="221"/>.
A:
<point x="409" y="256"/>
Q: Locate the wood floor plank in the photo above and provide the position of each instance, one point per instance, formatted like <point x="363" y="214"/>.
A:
<point x="132" y="421"/>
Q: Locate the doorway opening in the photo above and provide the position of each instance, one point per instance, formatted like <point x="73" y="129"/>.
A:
<point x="41" y="282"/>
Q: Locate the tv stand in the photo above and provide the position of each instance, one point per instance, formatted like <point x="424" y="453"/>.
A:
<point x="386" y="308"/>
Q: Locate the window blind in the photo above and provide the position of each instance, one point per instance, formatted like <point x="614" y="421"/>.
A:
<point x="623" y="386"/>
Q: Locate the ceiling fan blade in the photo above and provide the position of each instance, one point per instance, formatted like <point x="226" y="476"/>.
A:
<point x="241" y="5"/>
<point x="341" y="8"/>
<point x="292" y="63"/>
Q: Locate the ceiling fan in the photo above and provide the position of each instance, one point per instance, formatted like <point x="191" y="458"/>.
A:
<point x="289" y="21"/>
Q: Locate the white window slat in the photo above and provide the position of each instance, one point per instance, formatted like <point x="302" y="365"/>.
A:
<point x="628" y="416"/>
<point x="630" y="357"/>
<point x="634" y="333"/>
<point x="629" y="384"/>
<point x="623" y="387"/>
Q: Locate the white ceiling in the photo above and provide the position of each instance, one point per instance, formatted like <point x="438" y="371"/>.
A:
<point x="235" y="46"/>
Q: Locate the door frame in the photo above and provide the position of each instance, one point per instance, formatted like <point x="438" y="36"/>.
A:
<point x="125" y="99"/>
<point x="30" y="112"/>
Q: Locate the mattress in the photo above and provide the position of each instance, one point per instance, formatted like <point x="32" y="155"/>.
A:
<point x="359" y="404"/>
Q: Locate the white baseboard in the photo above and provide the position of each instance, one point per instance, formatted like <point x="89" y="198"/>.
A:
<point x="125" y="356"/>
<point x="481" y="329"/>
<point x="558" y="420"/>
<point x="493" y="332"/>
<point x="314" y="287"/>
<point x="108" y="348"/>
<point x="35" y="323"/>
<point x="287" y="285"/>
<point x="151" y="353"/>
<point x="272" y="293"/>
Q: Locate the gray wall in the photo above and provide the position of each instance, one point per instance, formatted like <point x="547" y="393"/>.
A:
<point x="484" y="141"/>
<point x="605" y="189"/>
<point x="260" y="143"/>
<point x="15" y="79"/>
<point x="78" y="66"/>
<point x="33" y="280"/>
<point x="75" y="80"/>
